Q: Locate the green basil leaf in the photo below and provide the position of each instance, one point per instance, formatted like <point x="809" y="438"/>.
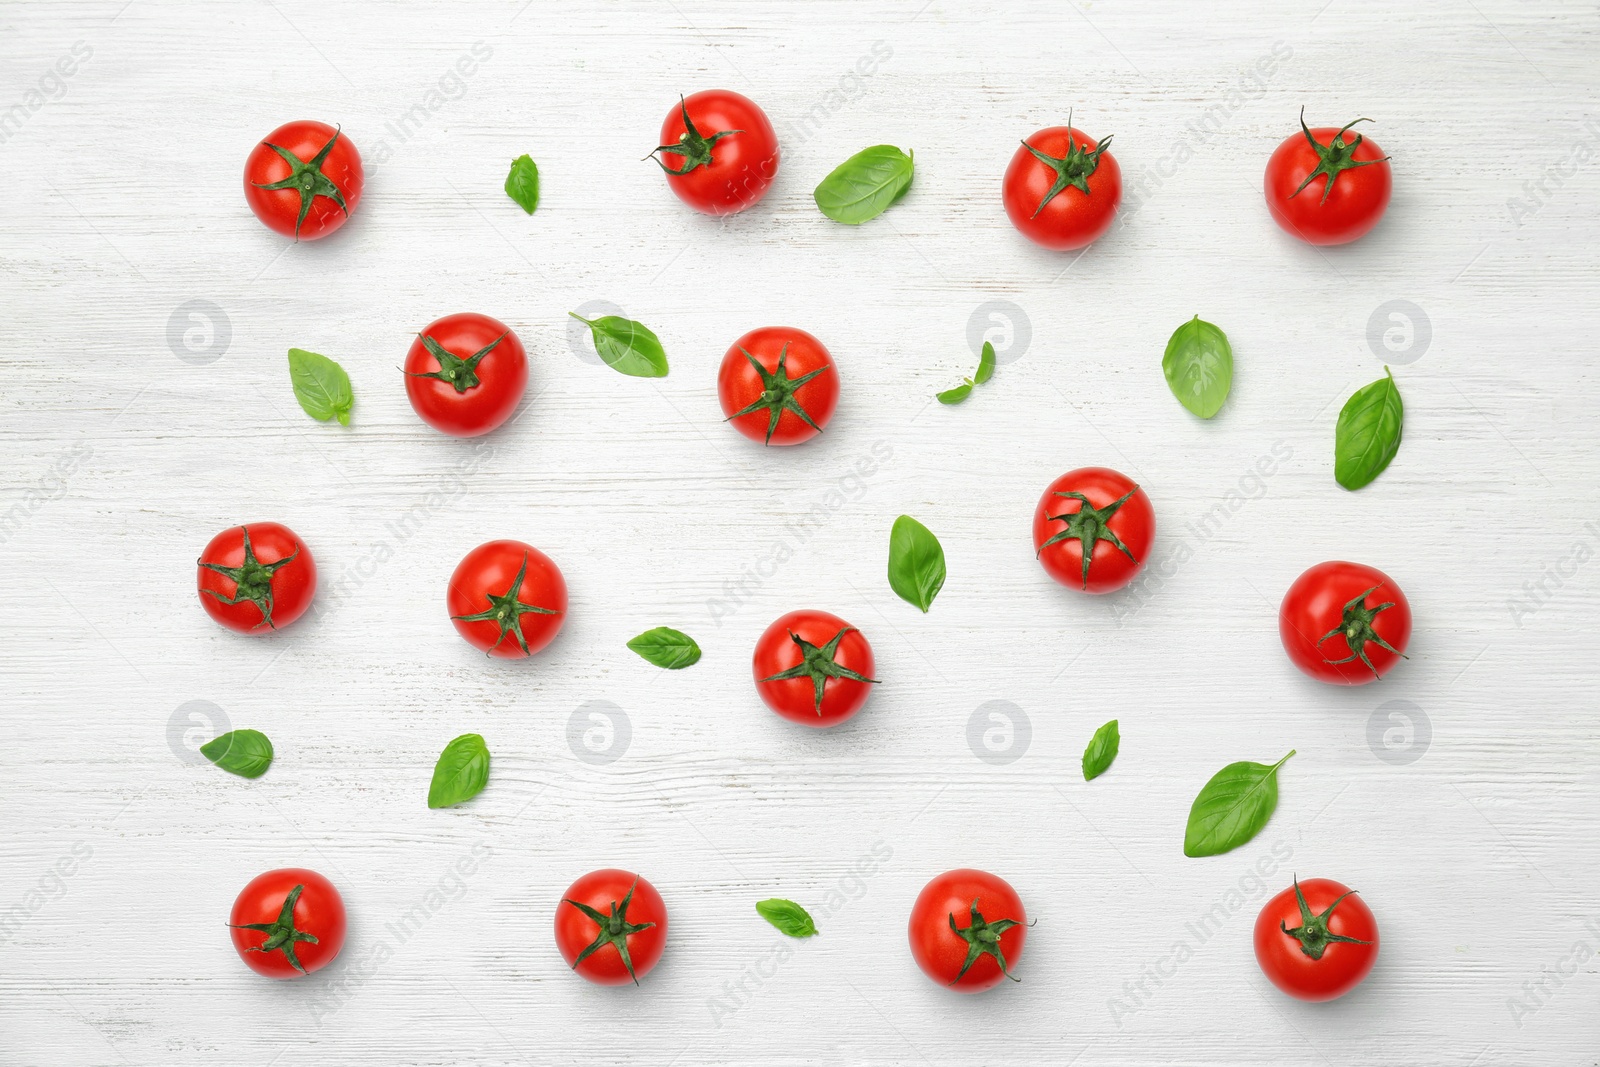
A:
<point x="787" y="916"/>
<point x="1199" y="366"/>
<point x="916" y="562"/>
<point x="863" y="186"/>
<point x="956" y="395"/>
<point x="1232" y="808"/>
<point x="1101" y="751"/>
<point x="247" y="753"/>
<point x="321" y="386"/>
<point x="985" y="364"/>
<point x="1368" y="434"/>
<point x="666" y="647"/>
<point x="461" y="773"/>
<point x="522" y="184"/>
<point x="626" y="346"/>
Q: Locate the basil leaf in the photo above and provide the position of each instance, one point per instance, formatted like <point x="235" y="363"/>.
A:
<point x="956" y="395"/>
<point x="1368" y="434"/>
<point x="461" y="773"/>
<point x="1199" y="366"/>
<point x="985" y="364"/>
<point x="626" y="346"/>
<point x="1232" y="808"/>
<point x="522" y="184"/>
<point x="1101" y="751"/>
<point x="666" y="647"/>
<point x="247" y="753"/>
<point x="788" y="917"/>
<point x="916" y="562"/>
<point x="863" y="186"/>
<point x="321" y="386"/>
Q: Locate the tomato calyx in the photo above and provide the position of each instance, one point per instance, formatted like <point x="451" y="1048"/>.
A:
<point x="777" y="392"/>
<point x="1072" y="169"/>
<point x="1356" y="629"/>
<point x="252" y="580"/>
<point x="694" y="147"/>
<point x="506" y="611"/>
<point x="983" y="939"/>
<point x="1090" y="525"/>
<point x="819" y="665"/>
<point x="281" y="933"/>
<point x="1313" y="933"/>
<point x="614" y="929"/>
<point x="1334" y="158"/>
<point x="453" y="370"/>
<point x="307" y="179"/>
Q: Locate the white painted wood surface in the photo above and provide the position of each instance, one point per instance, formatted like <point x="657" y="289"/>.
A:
<point x="1479" y="856"/>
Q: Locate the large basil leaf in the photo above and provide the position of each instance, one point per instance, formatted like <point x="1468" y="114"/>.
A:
<point x="787" y="916"/>
<point x="863" y="186"/>
<point x="666" y="647"/>
<point x="626" y="346"/>
<point x="1101" y="751"/>
<point x="1368" y="434"/>
<point x="1199" y="366"/>
<point x="321" y="386"/>
<point x="247" y="753"/>
<point x="522" y="184"/>
<point x="916" y="562"/>
<point x="1232" y="808"/>
<point x="461" y="772"/>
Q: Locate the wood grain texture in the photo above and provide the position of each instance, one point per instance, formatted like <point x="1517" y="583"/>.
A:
<point x="121" y="459"/>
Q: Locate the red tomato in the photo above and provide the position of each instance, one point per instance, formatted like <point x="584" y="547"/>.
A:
<point x="967" y="929"/>
<point x="1093" y="529"/>
<point x="256" y="577"/>
<point x="778" y="385"/>
<point x="287" y="923"/>
<point x="304" y="180"/>
<point x="1062" y="188"/>
<point x="1344" y="623"/>
<point x="813" y="668"/>
<point x="1315" y="940"/>
<point x="722" y="153"/>
<point x="1324" y="189"/>
<point x="507" y="589"/>
<point x="611" y="927"/>
<point x="465" y="374"/>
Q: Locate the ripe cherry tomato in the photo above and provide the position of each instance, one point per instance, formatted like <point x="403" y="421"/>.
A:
<point x="1062" y="188"/>
<point x="1344" y="623"/>
<point x="288" y="922"/>
<point x="1093" y="529"/>
<point x="611" y="927"/>
<point x="1324" y="189"/>
<point x="1316" y="940"/>
<point x="813" y="668"/>
<point x="256" y="578"/>
<point x="719" y="152"/>
<point x="465" y="374"/>
<point x="506" y="589"/>
<point x="304" y="180"/>
<point x="778" y="385"/>
<point x="967" y="929"/>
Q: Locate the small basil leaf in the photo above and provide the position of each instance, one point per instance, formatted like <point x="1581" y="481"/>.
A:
<point x="1199" y="366"/>
<point x="1232" y="808"/>
<point x="1368" y="434"/>
<point x="461" y="772"/>
<point x="247" y="753"/>
<point x="321" y="386"/>
<point x="666" y="647"/>
<point x="985" y="364"/>
<point x="863" y="186"/>
<point x="787" y="916"/>
<point x="956" y="395"/>
<point x="522" y="184"/>
<point x="916" y="562"/>
<point x="626" y="346"/>
<point x="1101" y="751"/>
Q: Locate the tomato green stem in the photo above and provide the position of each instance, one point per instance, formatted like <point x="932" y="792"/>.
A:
<point x="506" y="611"/>
<point x="1334" y="158"/>
<point x="252" y="580"/>
<point x="453" y="370"/>
<point x="1357" y="630"/>
<point x="281" y="933"/>
<point x="615" y="929"/>
<point x="1072" y="169"/>
<point x="819" y="665"/>
<point x="1089" y="525"/>
<point x="307" y="179"/>
<point x="692" y="146"/>
<point x="777" y="393"/>
<point x="1313" y="933"/>
<point x="983" y="939"/>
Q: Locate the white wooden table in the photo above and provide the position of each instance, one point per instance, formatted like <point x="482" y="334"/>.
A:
<point x="147" y="405"/>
